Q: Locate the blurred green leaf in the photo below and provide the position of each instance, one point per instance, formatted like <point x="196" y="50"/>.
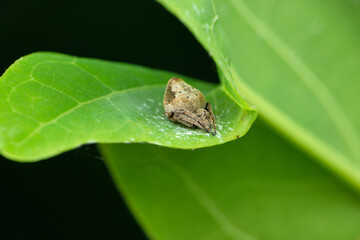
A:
<point x="297" y="61"/>
<point x="52" y="102"/>
<point x="259" y="187"/>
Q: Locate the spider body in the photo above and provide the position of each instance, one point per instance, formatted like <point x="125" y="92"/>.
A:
<point x="188" y="106"/>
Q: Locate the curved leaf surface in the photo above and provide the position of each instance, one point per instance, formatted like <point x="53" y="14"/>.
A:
<point x="259" y="187"/>
<point x="298" y="61"/>
<point x="51" y="103"/>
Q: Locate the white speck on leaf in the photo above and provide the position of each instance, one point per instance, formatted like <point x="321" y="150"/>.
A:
<point x="196" y="9"/>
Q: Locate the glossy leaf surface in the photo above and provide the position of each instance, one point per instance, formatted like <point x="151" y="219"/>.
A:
<point x="297" y="61"/>
<point x="52" y="102"/>
<point x="258" y="187"/>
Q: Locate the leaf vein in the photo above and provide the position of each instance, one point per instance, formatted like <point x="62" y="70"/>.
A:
<point x="306" y="75"/>
<point x="42" y="125"/>
<point x="206" y="201"/>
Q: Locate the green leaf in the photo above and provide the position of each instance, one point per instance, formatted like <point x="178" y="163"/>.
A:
<point x="51" y="103"/>
<point x="259" y="187"/>
<point x="297" y="61"/>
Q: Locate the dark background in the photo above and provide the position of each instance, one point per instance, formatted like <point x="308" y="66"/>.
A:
<point x="72" y="196"/>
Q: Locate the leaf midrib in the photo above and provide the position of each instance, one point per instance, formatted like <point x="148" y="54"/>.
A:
<point x="306" y="75"/>
<point x="205" y="201"/>
<point x="79" y="105"/>
<point x="330" y="158"/>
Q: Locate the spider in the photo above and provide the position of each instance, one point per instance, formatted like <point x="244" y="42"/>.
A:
<point x="188" y="106"/>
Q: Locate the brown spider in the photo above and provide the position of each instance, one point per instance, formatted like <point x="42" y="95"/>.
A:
<point x="187" y="105"/>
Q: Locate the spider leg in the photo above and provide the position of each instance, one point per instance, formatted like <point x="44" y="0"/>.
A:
<point x="190" y="119"/>
<point x="170" y="116"/>
<point x="212" y="117"/>
<point x="183" y="120"/>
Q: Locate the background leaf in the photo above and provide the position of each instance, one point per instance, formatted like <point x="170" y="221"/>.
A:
<point x="52" y="102"/>
<point x="259" y="187"/>
<point x="296" y="60"/>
